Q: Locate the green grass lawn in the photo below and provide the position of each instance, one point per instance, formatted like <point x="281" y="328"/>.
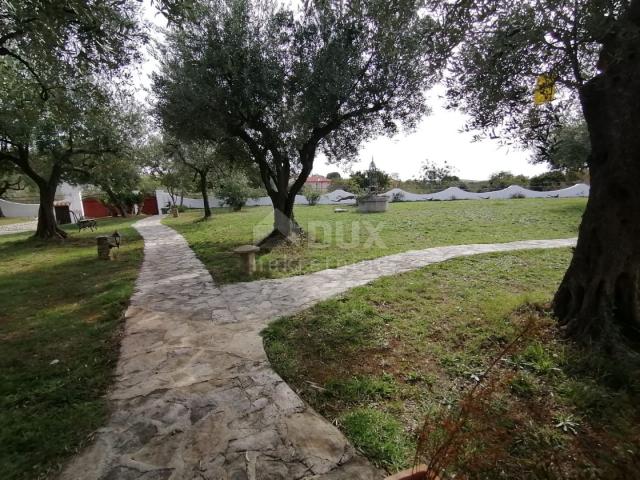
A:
<point x="384" y="357"/>
<point x="60" y="322"/>
<point x="336" y="239"/>
<point x="12" y="220"/>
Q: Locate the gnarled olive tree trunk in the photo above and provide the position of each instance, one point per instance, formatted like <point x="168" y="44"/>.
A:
<point x="283" y="197"/>
<point x="599" y="297"/>
<point x="47" y="225"/>
<point x="117" y="204"/>
<point x="285" y="227"/>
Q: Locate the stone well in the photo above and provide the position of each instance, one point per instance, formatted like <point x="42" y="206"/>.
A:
<point x="373" y="203"/>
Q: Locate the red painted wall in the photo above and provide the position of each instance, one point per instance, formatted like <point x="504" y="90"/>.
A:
<point x="150" y="206"/>
<point x="94" y="208"/>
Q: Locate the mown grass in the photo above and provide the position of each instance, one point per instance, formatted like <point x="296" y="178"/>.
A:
<point x="12" y="220"/>
<point x="335" y="239"/>
<point x="60" y="320"/>
<point x="387" y="356"/>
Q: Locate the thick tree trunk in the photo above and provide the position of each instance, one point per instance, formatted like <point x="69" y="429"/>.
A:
<point x="285" y="227"/>
<point x="205" y="195"/>
<point x="47" y="225"/>
<point x="599" y="297"/>
<point x="119" y="206"/>
<point x="280" y="190"/>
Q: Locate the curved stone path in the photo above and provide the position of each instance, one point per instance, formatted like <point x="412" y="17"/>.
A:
<point x="195" y="397"/>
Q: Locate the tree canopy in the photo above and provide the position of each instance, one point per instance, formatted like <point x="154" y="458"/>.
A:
<point x="50" y="140"/>
<point x="582" y="59"/>
<point x="286" y="83"/>
<point x="567" y="147"/>
<point x="59" y="62"/>
<point x="504" y="179"/>
<point x="10" y="179"/>
<point x="371" y="180"/>
<point x="505" y="46"/>
<point x="437" y="176"/>
<point x="208" y="161"/>
<point x="52" y="40"/>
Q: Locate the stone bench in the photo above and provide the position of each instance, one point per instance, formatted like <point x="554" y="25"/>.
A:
<point x="247" y="254"/>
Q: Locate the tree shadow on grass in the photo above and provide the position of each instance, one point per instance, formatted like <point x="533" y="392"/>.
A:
<point x="59" y="340"/>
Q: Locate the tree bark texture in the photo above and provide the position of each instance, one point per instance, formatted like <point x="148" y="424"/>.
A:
<point x="47" y="226"/>
<point x="205" y="194"/>
<point x="599" y="297"/>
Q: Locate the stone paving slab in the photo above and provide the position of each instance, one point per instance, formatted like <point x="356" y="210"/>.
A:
<point x="18" y="228"/>
<point x="267" y="299"/>
<point x="195" y="396"/>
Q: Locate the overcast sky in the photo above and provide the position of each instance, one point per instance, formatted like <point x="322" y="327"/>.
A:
<point x="437" y="138"/>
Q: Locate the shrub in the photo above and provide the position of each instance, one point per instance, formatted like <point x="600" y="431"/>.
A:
<point x="312" y="195"/>
<point x="234" y="190"/>
<point x="552" y="180"/>
<point x="346" y="184"/>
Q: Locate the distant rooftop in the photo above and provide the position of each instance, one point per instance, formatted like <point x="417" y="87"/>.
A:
<point x="317" y="179"/>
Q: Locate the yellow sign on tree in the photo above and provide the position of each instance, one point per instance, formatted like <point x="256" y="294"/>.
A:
<point x="545" y="89"/>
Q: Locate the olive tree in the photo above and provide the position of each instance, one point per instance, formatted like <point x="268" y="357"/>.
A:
<point x="291" y="83"/>
<point x="567" y="147"/>
<point x="589" y="53"/>
<point x="51" y="52"/>
<point x="10" y="179"/>
<point x="118" y="174"/>
<point x="58" y="138"/>
<point x="209" y="161"/>
<point x="51" y="40"/>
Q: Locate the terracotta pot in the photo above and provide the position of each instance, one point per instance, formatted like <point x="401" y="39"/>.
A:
<point x="418" y="472"/>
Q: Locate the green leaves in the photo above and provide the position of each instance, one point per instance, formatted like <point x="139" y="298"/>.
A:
<point x="51" y="40"/>
<point x="289" y="83"/>
<point x="504" y="46"/>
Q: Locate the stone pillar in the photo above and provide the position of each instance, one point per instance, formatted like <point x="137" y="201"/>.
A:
<point x="104" y="248"/>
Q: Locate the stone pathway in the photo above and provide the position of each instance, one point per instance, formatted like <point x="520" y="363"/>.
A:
<point x="18" y="227"/>
<point x="195" y="397"/>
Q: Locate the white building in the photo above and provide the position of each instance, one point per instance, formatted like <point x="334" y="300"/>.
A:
<point x="68" y="195"/>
